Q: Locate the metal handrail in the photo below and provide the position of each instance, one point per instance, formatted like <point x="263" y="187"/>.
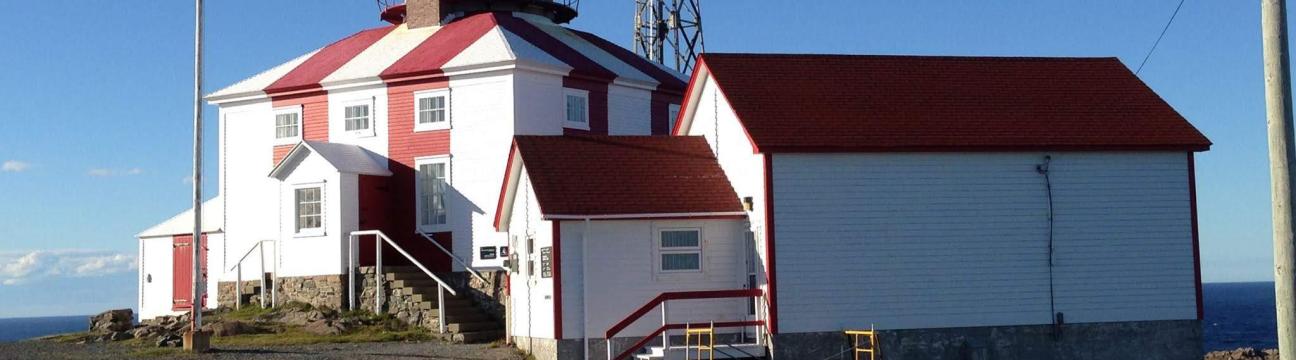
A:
<point x="238" y="283"/>
<point x="442" y="286"/>
<point x="455" y="258"/>
<point x="662" y="300"/>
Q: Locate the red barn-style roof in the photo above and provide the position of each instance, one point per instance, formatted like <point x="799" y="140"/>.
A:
<point x="865" y="103"/>
<point x="621" y="177"/>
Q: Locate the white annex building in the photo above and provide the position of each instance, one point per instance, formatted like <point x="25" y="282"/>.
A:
<point x="499" y="175"/>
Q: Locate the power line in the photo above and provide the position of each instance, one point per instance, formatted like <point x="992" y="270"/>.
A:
<point x="1158" y="40"/>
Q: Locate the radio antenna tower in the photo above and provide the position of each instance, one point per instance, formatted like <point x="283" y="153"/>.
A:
<point x="673" y="23"/>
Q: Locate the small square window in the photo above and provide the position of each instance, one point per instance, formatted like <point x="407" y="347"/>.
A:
<point x="287" y="125"/>
<point x="358" y="119"/>
<point x="577" y="109"/>
<point x="432" y="110"/>
<point x="680" y="250"/>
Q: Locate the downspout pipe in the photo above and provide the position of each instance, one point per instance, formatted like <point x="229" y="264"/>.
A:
<point x="585" y="289"/>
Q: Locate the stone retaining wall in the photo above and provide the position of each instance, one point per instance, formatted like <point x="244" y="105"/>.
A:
<point x="321" y="291"/>
<point x="1149" y="340"/>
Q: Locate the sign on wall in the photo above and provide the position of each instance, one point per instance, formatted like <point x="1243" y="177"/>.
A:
<point x="546" y="262"/>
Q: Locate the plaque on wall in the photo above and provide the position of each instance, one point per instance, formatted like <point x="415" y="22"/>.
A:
<point x="487" y="253"/>
<point x="546" y="262"/>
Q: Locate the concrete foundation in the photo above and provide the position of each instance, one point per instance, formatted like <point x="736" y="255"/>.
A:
<point x="1145" y="340"/>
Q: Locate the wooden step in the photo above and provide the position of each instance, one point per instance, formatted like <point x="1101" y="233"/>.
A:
<point x="477" y="336"/>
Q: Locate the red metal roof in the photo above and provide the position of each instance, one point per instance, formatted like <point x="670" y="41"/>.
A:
<point x="623" y="175"/>
<point x="792" y="103"/>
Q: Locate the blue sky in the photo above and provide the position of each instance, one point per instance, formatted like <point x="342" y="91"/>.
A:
<point x="95" y="131"/>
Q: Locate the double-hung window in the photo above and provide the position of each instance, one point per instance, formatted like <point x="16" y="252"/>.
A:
<point x="358" y="118"/>
<point x="577" y="109"/>
<point x="679" y="250"/>
<point x="433" y="183"/>
<point x="309" y="204"/>
<point x="672" y="112"/>
<point x="287" y="125"/>
<point x="432" y="110"/>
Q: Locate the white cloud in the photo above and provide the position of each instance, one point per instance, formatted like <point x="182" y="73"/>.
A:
<point x="14" y="166"/>
<point x="21" y="268"/>
<point x="105" y="172"/>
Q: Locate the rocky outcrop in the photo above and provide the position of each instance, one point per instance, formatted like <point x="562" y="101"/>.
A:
<point x="1243" y="354"/>
<point x="113" y="321"/>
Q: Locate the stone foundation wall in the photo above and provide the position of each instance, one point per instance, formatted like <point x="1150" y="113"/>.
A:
<point x="490" y="295"/>
<point x="1150" y="340"/>
<point x="321" y="291"/>
<point x="226" y="296"/>
<point x="398" y="304"/>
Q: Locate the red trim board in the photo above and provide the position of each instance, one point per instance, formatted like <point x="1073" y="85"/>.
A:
<point x="1196" y="240"/>
<point x="557" y="282"/>
<point x="770" y="278"/>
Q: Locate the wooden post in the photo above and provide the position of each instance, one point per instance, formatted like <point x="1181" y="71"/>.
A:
<point x="1281" y="151"/>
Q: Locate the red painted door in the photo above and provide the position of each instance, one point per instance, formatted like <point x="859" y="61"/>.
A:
<point x="182" y="271"/>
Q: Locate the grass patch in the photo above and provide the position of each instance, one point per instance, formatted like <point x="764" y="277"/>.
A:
<point x="66" y="338"/>
<point x="247" y="313"/>
<point x="294" y="336"/>
<point x="160" y="352"/>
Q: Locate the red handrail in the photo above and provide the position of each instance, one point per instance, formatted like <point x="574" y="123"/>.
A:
<point x="682" y="295"/>
<point x="639" y="345"/>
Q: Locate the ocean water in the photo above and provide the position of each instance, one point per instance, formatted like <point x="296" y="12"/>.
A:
<point x="14" y="329"/>
<point x="1237" y="315"/>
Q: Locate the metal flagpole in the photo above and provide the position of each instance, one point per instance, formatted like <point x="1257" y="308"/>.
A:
<point x="1278" y="101"/>
<point x="196" y="342"/>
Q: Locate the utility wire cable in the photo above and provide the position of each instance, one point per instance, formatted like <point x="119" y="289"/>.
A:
<point x="1159" y="37"/>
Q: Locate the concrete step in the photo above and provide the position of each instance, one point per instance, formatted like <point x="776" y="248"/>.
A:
<point x="734" y="351"/>
<point x="415" y="283"/>
<point x="466" y="317"/>
<point x="432" y="298"/>
<point x="477" y="336"/>
<point x="473" y="326"/>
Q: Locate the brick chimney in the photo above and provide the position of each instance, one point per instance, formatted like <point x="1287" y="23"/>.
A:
<point x="424" y="13"/>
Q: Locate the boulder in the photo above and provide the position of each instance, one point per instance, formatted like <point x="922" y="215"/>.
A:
<point x="119" y="320"/>
<point x="325" y="327"/>
<point x="148" y="331"/>
<point x="170" y="340"/>
<point x="1243" y="354"/>
<point x="230" y="328"/>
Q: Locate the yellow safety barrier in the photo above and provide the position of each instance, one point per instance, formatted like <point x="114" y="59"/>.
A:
<point x="870" y="348"/>
<point x="699" y="333"/>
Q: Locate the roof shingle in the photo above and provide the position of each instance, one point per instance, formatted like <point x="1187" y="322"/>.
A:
<point x="624" y="175"/>
<point x="933" y="103"/>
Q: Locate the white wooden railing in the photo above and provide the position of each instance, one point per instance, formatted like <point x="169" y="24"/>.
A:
<point x="352" y="255"/>
<point x="238" y="269"/>
<point x="454" y="257"/>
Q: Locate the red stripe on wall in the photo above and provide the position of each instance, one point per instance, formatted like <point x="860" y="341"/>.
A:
<point x="557" y="276"/>
<point x="280" y="151"/>
<point x="315" y="117"/>
<point x="437" y="50"/>
<point x="309" y="73"/>
<point x="769" y="244"/>
<point x="405" y="145"/>
<point x="598" y="104"/>
<point x="660" y="111"/>
<point x="1196" y="242"/>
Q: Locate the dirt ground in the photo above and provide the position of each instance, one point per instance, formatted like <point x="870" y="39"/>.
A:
<point x="391" y="350"/>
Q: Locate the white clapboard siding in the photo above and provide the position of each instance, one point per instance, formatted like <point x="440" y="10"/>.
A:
<point x="929" y="240"/>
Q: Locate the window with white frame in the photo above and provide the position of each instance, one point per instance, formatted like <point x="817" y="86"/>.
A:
<point x="287" y="125"/>
<point x="672" y="112"/>
<point x="433" y="181"/>
<point x="358" y="118"/>
<point x="309" y="204"/>
<point x="680" y="250"/>
<point x="432" y="110"/>
<point x="577" y="108"/>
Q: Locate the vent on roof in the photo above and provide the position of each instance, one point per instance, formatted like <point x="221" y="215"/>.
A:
<point x="422" y="13"/>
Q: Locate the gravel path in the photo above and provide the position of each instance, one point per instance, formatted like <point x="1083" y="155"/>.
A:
<point x="396" y="350"/>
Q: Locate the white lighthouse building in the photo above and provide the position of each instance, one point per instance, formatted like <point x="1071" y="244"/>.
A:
<point x="520" y="179"/>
